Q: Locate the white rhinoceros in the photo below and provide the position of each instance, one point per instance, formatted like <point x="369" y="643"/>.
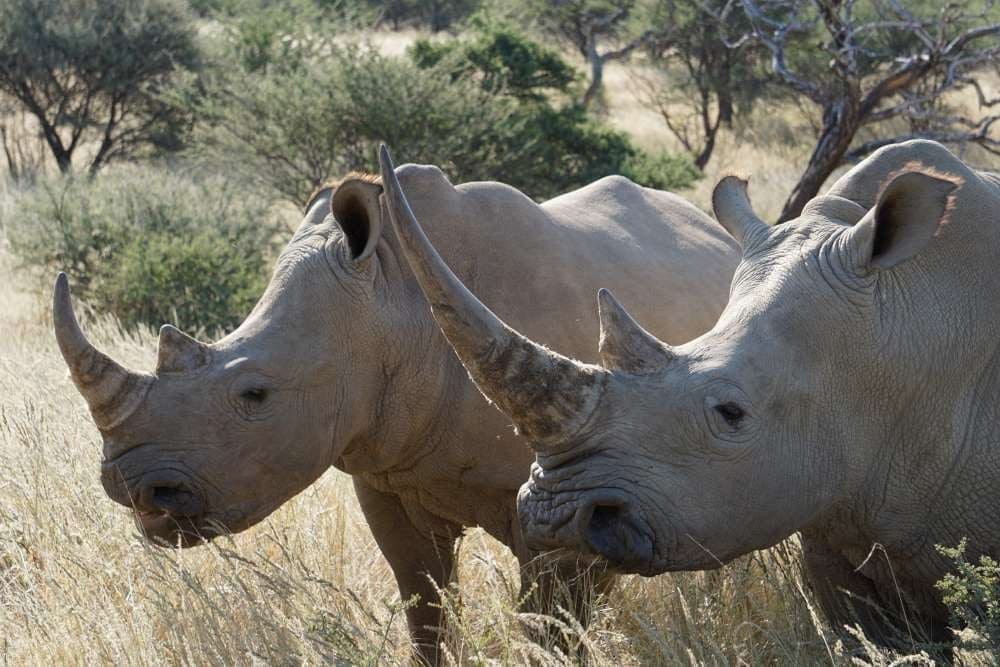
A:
<point x="849" y="391"/>
<point x="341" y="363"/>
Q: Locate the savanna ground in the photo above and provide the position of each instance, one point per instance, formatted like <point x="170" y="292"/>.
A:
<point x="79" y="586"/>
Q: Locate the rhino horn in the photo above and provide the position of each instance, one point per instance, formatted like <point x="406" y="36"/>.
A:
<point x="732" y="209"/>
<point x="112" y="391"/>
<point x="177" y="352"/>
<point x="624" y="345"/>
<point x="549" y="397"/>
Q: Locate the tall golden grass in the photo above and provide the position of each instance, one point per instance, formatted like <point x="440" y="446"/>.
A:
<point x="79" y="586"/>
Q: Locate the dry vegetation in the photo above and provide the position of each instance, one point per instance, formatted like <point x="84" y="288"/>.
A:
<point x="79" y="586"/>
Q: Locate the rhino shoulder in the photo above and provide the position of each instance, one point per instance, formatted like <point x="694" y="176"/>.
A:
<point x="424" y="178"/>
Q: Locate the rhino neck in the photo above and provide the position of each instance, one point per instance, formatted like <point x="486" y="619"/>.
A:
<point x="931" y="444"/>
<point x="430" y="421"/>
<point x="427" y="418"/>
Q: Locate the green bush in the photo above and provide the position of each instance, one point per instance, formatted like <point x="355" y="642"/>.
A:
<point x="566" y="147"/>
<point x="149" y="246"/>
<point x="288" y="131"/>
<point x="663" y="171"/>
<point x="485" y="107"/>
<point x="972" y="595"/>
<point x="503" y="58"/>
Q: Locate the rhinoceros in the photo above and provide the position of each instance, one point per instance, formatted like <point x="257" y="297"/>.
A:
<point x="850" y="391"/>
<point x="341" y="364"/>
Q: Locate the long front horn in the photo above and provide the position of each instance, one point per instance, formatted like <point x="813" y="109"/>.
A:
<point x="111" y="391"/>
<point x="548" y="396"/>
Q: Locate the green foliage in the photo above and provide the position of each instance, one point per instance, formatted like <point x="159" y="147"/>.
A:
<point x="972" y="595"/>
<point x="436" y="15"/>
<point x="576" y="22"/>
<point x="503" y="58"/>
<point x="291" y="131"/>
<point x="258" y="35"/>
<point x="149" y="246"/>
<point x="481" y="107"/>
<point x="90" y="70"/>
<point x="663" y="171"/>
<point x="568" y="148"/>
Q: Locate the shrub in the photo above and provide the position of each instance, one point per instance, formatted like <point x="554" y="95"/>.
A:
<point x="503" y="58"/>
<point x="664" y="171"/>
<point x="291" y="130"/>
<point x="149" y="246"/>
<point x="567" y="147"/>
<point x="480" y="108"/>
<point x="972" y="595"/>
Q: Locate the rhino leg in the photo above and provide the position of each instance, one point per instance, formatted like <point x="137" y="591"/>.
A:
<point x="416" y="558"/>
<point x="549" y="584"/>
<point x="849" y="598"/>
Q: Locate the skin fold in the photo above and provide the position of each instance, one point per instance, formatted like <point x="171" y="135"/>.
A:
<point x="848" y="392"/>
<point x="341" y="364"/>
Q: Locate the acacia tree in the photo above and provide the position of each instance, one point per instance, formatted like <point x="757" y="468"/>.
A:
<point x="599" y="30"/>
<point x="91" y="71"/>
<point x="695" y="80"/>
<point x="867" y="61"/>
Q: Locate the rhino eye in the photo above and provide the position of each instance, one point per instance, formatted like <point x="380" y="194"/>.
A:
<point x="254" y="395"/>
<point x="731" y="412"/>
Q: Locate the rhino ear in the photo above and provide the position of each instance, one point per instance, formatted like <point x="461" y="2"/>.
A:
<point x="908" y="213"/>
<point x="355" y="206"/>
<point x="732" y="209"/>
<point x="625" y="346"/>
<point x="179" y="353"/>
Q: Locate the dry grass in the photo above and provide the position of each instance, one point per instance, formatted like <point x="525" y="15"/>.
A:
<point x="79" y="586"/>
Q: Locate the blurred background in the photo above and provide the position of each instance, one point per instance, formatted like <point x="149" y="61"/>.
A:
<point x="161" y="151"/>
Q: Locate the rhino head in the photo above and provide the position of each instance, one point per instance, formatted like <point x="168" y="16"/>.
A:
<point x="219" y="435"/>
<point x="675" y="458"/>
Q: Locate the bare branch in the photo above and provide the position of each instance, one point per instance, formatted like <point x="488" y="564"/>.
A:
<point x="776" y="43"/>
<point x="980" y="137"/>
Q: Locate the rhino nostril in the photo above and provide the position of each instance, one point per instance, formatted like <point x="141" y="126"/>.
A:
<point x="604" y="532"/>
<point x="604" y="515"/>
<point x="166" y="495"/>
<point x="175" y="500"/>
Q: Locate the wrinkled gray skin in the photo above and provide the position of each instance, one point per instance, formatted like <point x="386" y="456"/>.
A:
<point x="849" y="391"/>
<point x="341" y="364"/>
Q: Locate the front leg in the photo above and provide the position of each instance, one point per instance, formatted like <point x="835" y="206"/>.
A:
<point x="849" y="598"/>
<point x="417" y="557"/>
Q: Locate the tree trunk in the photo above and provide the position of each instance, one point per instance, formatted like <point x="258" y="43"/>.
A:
<point x="706" y="151"/>
<point x="15" y="173"/>
<point x="723" y="90"/>
<point x="596" y="76"/>
<point x="840" y="123"/>
<point x="63" y="157"/>
<point x="437" y="18"/>
<point x="709" y="129"/>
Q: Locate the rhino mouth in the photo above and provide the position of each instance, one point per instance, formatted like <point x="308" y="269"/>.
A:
<point x="163" y="529"/>
<point x="600" y="524"/>
<point x="169" y="507"/>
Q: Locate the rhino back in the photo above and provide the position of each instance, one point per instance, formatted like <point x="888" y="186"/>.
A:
<point x="539" y="266"/>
